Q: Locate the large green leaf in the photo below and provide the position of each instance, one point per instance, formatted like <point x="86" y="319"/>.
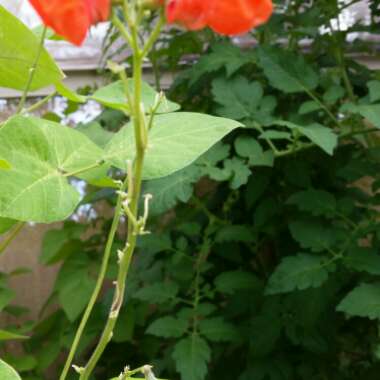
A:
<point x="298" y="273"/>
<point x="18" y="51"/>
<point x="7" y="372"/>
<point x="286" y="71"/>
<point x="41" y="152"/>
<point x="363" y="301"/>
<point x="191" y="356"/>
<point x="113" y="96"/>
<point x="175" y="141"/>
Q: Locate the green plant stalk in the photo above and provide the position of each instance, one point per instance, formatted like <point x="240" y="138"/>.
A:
<point x="98" y="285"/>
<point x="134" y="193"/>
<point x="32" y="72"/>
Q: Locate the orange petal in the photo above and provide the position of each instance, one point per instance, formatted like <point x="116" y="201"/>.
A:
<point x="233" y="17"/>
<point x="189" y="13"/>
<point x="72" y="18"/>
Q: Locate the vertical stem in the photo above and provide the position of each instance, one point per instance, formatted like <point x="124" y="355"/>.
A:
<point x="134" y="192"/>
<point x="32" y="71"/>
<point x="98" y="286"/>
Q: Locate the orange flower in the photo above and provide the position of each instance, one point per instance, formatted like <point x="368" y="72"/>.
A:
<point x="189" y="13"/>
<point x="72" y="18"/>
<point x="228" y="17"/>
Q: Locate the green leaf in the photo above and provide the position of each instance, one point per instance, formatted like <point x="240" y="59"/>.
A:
<point x="41" y="152"/>
<point x="74" y="295"/>
<point x="6" y="295"/>
<point x="314" y="235"/>
<point x="58" y="244"/>
<point x="157" y="293"/>
<point x="168" y="327"/>
<point x="317" y="202"/>
<point x="6" y="224"/>
<point x="237" y="171"/>
<point x="363" y="301"/>
<point x="298" y="273"/>
<point x="7" y="372"/>
<point x="370" y="112"/>
<point x="308" y="107"/>
<point x="321" y="136"/>
<point x="7" y="335"/>
<point x="96" y="133"/>
<point x="191" y="356"/>
<point x="175" y="141"/>
<point x="363" y="260"/>
<point x="222" y="55"/>
<point x="374" y="90"/>
<point x="242" y="100"/>
<point x="248" y="147"/>
<point x="18" y="53"/>
<point x="231" y="281"/>
<point x="218" y="330"/>
<point x="113" y="96"/>
<point x="5" y="165"/>
<point x="286" y="71"/>
<point x="169" y="191"/>
<point x="238" y="233"/>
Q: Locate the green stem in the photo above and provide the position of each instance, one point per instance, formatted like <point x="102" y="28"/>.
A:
<point x="99" y="283"/>
<point x="12" y="235"/>
<point x="323" y="106"/>
<point x="134" y="192"/>
<point x="39" y="104"/>
<point x="32" y="72"/>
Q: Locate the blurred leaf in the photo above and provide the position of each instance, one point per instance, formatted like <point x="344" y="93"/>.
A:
<point x="191" y="356"/>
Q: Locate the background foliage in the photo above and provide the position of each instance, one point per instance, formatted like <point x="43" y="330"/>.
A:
<point x="263" y="262"/>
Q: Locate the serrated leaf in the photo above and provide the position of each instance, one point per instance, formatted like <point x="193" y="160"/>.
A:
<point x="363" y="260"/>
<point x="238" y="172"/>
<point x="248" y="147"/>
<point x="317" y="202"/>
<point x="191" y="356"/>
<point x="232" y="281"/>
<point x="222" y="55"/>
<point x="18" y="53"/>
<point x="7" y="372"/>
<point x="298" y="273"/>
<point x="321" y="136"/>
<point x="175" y="141"/>
<point x="168" y="327"/>
<point x="242" y="100"/>
<point x="40" y="153"/>
<point x="157" y="293"/>
<point x="218" y="330"/>
<point x="363" y="301"/>
<point x="286" y="71"/>
<point x="114" y="96"/>
<point x="8" y="335"/>
<point x="314" y="235"/>
<point x="169" y="191"/>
